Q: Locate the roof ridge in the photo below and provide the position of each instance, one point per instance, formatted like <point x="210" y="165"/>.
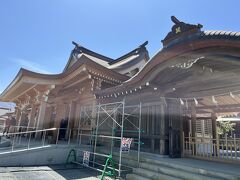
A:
<point x="88" y="51"/>
<point x="220" y="32"/>
<point x="142" y="46"/>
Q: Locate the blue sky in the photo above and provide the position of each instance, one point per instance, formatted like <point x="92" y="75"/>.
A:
<point x="37" y="34"/>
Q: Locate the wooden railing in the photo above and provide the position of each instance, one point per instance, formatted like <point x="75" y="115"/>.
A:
<point x="224" y="148"/>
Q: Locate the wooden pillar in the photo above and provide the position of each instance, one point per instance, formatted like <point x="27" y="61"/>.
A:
<point x="22" y="115"/>
<point x="71" y="117"/>
<point x="60" y="112"/>
<point x="77" y="115"/>
<point x="180" y="116"/>
<point x="148" y="121"/>
<point x="59" y="115"/>
<point x="36" y="116"/>
<point x="175" y="129"/>
<point x="193" y="127"/>
<point x="18" y="114"/>
<point x="214" y="125"/>
<point x="193" y="121"/>
<point x="162" y="130"/>
<point x="148" y="128"/>
<point x="47" y="119"/>
<point x="32" y="117"/>
<point x="151" y="114"/>
<point x="41" y="115"/>
<point x="214" y="133"/>
<point x="52" y="115"/>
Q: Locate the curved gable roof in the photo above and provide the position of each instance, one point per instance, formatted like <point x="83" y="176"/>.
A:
<point x="78" y="50"/>
<point x="104" y="60"/>
<point x="175" y="44"/>
<point x="57" y="78"/>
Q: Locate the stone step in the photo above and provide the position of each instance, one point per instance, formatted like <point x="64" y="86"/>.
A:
<point x="187" y="168"/>
<point x="153" y="174"/>
<point x="135" y="177"/>
<point x="174" y="172"/>
<point x="202" y="169"/>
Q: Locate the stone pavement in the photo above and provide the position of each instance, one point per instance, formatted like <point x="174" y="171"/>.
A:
<point x="47" y="173"/>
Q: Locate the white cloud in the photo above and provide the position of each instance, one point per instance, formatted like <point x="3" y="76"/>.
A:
<point x="30" y="65"/>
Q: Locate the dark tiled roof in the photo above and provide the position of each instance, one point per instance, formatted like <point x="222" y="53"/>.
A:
<point x="205" y="35"/>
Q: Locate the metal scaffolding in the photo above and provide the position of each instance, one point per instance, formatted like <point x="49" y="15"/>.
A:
<point x="110" y="124"/>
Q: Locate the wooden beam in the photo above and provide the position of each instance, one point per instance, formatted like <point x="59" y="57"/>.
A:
<point x="34" y="85"/>
<point x="226" y="106"/>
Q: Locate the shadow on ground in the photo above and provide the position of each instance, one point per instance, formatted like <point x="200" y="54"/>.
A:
<point x="47" y="173"/>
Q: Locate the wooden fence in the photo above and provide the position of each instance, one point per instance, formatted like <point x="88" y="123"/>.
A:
<point x="221" y="148"/>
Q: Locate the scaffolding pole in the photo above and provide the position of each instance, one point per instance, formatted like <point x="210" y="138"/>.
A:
<point x="114" y="126"/>
<point x="95" y="143"/>
<point x="101" y="115"/>
<point x="120" y="156"/>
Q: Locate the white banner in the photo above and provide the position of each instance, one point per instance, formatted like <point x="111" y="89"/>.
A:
<point x="126" y="144"/>
<point x="86" y="157"/>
